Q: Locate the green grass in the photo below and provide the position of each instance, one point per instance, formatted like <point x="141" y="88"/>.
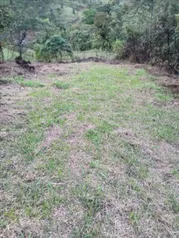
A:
<point x="28" y="83"/>
<point x="95" y="159"/>
<point x="61" y="85"/>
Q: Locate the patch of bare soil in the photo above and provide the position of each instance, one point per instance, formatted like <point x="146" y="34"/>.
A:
<point x="116" y="214"/>
<point x="163" y="154"/>
<point x="10" y="112"/>
<point x="12" y="69"/>
<point x="66" y="219"/>
<point x="10" y="95"/>
<point x="174" y="88"/>
<point x="25" y="228"/>
<point x="164" y="78"/>
<point x="79" y="159"/>
<point x="41" y="70"/>
<point x="130" y="137"/>
<point x="54" y="69"/>
<point x="51" y="135"/>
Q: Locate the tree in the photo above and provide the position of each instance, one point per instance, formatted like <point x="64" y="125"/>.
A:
<point x="118" y="48"/>
<point x="5" y="20"/>
<point x="89" y="16"/>
<point x="54" y="48"/>
<point x="147" y="28"/>
<point x="27" y="16"/>
<point x="102" y="24"/>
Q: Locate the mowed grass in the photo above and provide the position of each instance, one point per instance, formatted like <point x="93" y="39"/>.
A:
<point x="28" y="83"/>
<point x="97" y="158"/>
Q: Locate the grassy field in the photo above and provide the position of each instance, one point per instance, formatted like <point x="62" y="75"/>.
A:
<point x="93" y="152"/>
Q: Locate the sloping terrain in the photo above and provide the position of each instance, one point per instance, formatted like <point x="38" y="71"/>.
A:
<point x="88" y="150"/>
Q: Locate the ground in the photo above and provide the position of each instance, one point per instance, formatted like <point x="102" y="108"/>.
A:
<point x="89" y="150"/>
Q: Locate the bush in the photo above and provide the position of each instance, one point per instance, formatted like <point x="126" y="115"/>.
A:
<point x="53" y="49"/>
<point x="118" y="48"/>
<point x="37" y="49"/>
<point x="88" y="16"/>
<point x="61" y="85"/>
<point x="81" y="39"/>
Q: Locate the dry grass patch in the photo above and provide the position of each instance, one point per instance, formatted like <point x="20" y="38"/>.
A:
<point x="51" y="135"/>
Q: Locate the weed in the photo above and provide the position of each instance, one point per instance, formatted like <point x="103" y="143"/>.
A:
<point x="174" y="203"/>
<point x="141" y="72"/>
<point x="90" y="198"/>
<point x="92" y="201"/>
<point x="164" y="97"/>
<point x="94" y="164"/>
<point x="175" y="172"/>
<point x="61" y="85"/>
<point x="134" y="218"/>
<point x="94" y="136"/>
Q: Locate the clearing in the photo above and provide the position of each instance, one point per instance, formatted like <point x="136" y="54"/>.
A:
<point x="88" y="150"/>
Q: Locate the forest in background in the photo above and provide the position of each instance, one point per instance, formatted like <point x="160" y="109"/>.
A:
<point x="143" y="31"/>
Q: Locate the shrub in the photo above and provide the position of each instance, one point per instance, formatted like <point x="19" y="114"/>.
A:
<point x="88" y="16"/>
<point x="61" y="85"/>
<point x="81" y="39"/>
<point x="118" y="48"/>
<point x="53" y="49"/>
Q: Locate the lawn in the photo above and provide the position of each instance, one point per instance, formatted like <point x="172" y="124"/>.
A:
<point x="95" y="154"/>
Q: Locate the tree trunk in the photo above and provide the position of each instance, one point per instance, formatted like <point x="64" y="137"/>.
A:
<point x="1" y="53"/>
<point x="21" y="42"/>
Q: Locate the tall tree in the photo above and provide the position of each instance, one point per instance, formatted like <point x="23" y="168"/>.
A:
<point x="5" y="20"/>
<point x="27" y="16"/>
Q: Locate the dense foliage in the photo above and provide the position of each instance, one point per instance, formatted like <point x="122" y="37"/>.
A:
<point x="53" y="49"/>
<point x="146" y="29"/>
<point x="140" y="30"/>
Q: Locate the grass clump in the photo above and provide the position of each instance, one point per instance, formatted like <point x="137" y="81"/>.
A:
<point x="61" y="85"/>
<point x="92" y="201"/>
<point x="28" y="83"/>
<point x="94" y="136"/>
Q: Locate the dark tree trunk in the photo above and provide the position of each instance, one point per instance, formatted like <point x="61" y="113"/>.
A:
<point x="21" y="42"/>
<point x="1" y="53"/>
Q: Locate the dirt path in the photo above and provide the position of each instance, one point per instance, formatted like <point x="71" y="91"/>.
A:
<point x="91" y="150"/>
